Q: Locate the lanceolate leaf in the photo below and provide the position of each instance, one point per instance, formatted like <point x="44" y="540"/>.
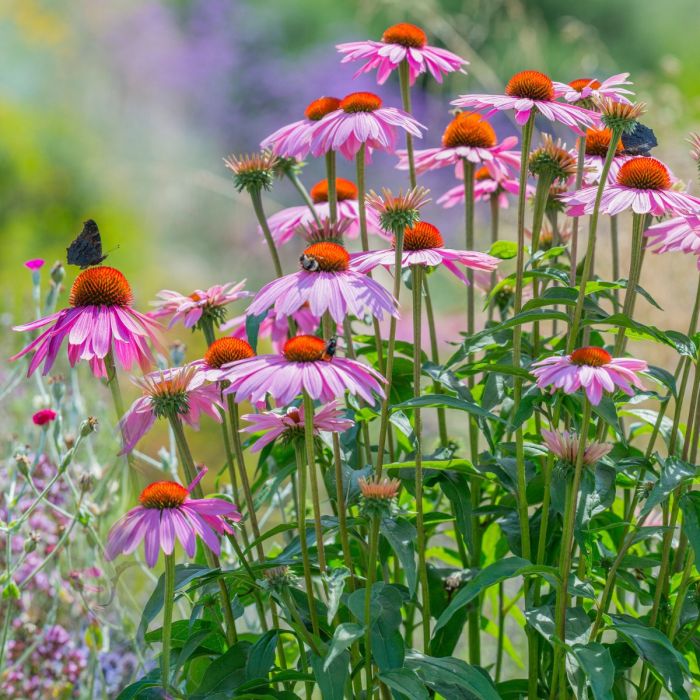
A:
<point x="436" y="400"/>
<point x="673" y="472"/>
<point x="690" y="505"/>
<point x="401" y="535"/>
<point x="597" y="665"/>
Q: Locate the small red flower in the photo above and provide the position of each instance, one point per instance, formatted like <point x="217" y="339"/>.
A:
<point x="46" y="415"/>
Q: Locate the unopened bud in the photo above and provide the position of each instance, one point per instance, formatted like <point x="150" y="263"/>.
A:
<point x="88" y="426"/>
<point x="11" y="591"/>
<point x="58" y="272"/>
<point x="31" y="542"/>
<point x="23" y="464"/>
<point x="86" y="482"/>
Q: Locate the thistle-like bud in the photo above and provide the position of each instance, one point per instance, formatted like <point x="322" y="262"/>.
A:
<point x="398" y="212"/>
<point x="252" y="172"/>
<point x="620" y="117"/>
<point x="277" y="578"/>
<point x="58" y="387"/>
<point x="552" y="160"/>
<point x="89" y="425"/>
<point x="378" y="495"/>
<point x="286" y="167"/>
<point x="327" y="232"/>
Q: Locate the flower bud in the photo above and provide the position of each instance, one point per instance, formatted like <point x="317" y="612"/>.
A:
<point x="88" y="426"/>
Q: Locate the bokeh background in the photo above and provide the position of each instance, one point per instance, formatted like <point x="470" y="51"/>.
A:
<point x="123" y="111"/>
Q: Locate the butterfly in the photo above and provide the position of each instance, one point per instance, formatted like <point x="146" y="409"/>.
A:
<point x="639" y="142"/>
<point x="86" y="249"/>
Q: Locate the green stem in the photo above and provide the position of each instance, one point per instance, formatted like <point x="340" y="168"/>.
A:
<point x="435" y="358"/>
<point x="567" y="542"/>
<point x="308" y="581"/>
<point x="615" y="254"/>
<point x="581" y="161"/>
<point x="406" y="102"/>
<point x="590" y="249"/>
<point x="256" y="197"/>
<point x="416" y="286"/>
<point x="168" y="602"/>
<point x="313" y="479"/>
<point x="495" y="216"/>
<point x="303" y="193"/>
<point x="332" y="190"/>
<point x="371" y="572"/>
<point x="389" y="368"/>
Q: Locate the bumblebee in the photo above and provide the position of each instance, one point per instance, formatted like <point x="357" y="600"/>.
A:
<point x="308" y="263"/>
<point x="329" y="352"/>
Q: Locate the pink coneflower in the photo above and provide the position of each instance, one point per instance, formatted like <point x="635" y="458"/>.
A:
<point x="423" y="245"/>
<point x="401" y="42"/>
<point x="361" y="120"/>
<point x="565" y="446"/>
<point x="168" y="513"/>
<point x="643" y="185"/>
<point x="327" y="283"/>
<point x="292" y="140"/>
<point x="588" y="89"/>
<point x="528" y="91"/>
<point x="34" y="264"/>
<point x="597" y="144"/>
<point x="222" y="352"/>
<point x="202" y="303"/>
<point x="276" y="327"/>
<point x="468" y="136"/>
<point x="290" y="425"/>
<point x="590" y="368"/>
<point x="304" y="365"/>
<point x="284" y="224"/>
<point x="46" y="415"/>
<point x="680" y="234"/>
<point x="486" y="186"/>
<point x="176" y="392"/>
<point x="100" y="319"/>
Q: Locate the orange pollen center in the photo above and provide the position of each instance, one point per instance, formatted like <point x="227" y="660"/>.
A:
<point x="360" y="102"/>
<point x="483" y="173"/>
<point x="644" y="174"/>
<point x="331" y="257"/>
<point x="581" y="83"/>
<point x="304" y="348"/>
<point x="320" y="107"/>
<point x="591" y="356"/>
<point x="344" y="190"/>
<point x="598" y="142"/>
<point x="100" y="286"/>
<point x="469" y="129"/>
<point x="225" y="350"/>
<point x="423" y="235"/>
<point x="531" y="84"/>
<point x="405" y="34"/>
<point x="163" y="494"/>
<point x="195" y="297"/>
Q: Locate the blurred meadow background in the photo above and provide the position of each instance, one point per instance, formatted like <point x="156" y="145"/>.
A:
<point x="122" y="112"/>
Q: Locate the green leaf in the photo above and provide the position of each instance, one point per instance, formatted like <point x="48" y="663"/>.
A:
<point x="406" y="683"/>
<point x="495" y="573"/>
<point x="505" y="250"/>
<point x="452" y="678"/>
<point x="597" y="665"/>
<point x="252" y="328"/>
<point x="224" y="674"/>
<point x="331" y="679"/>
<point x="650" y="418"/>
<point x="336" y="585"/>
<point x="343" y="637"/>
<point x="690" y="505"/>
<point x="388" y="647"/>
<point x="664" y="660"/>
<point x="463" y="466"/>
<point x="673" y="472"/>
<point x="262" y="656"/>
<point x="401" y="535"/>
<point x="437" y="400"/>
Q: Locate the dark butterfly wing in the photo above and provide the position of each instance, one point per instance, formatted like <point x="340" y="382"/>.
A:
<point x="639" y="142"/>
<point x="86" y="249"/>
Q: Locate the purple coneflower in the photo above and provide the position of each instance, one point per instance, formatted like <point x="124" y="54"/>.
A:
<point x="166" y="513"/>
<point x="423" y="245"/>
<point x="582" y="90"/>
<point x="590" y="368"/>
<point x="100" y="319"/>
<point x="304" y="365"/>
<point x="680" y="234"/>
<point x="485" y="187"/>
<point x="565" y="446"/>
<point x="401" y="42"/>
<point x="290" y="424"/>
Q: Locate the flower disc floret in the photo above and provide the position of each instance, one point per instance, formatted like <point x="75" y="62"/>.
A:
<point x="360" y="102"/>
<point x="530" y="84"/>
<point x="422" y="236"/>
<point x="344" y="189"/>
<point x="163" y="494"/>
<point x="225" y="350"/>
<point x="100" y="286"/>
<point x="469" y="129"/>
<point x="644" y="173"/>
<point x="318" y="109"/>
<point x="405" y="34"/>
<point x="598" y="142"/>
<point x="304" y="348"/>
<point x="327" y="257"/>
<point x="591" y="356"/>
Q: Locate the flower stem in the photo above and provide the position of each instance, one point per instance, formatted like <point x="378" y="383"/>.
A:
<point x="212" y="560"/>
<point x="389" y="369"/>
<point x="416" y="286"/>
<point x="371" y="572"/>
<point x="523" y="518"/>
<point x="303" y="193"/>
<point x="256" y="197"/>
<point x="615" y="256"/>
<point x="581" y="161"/>
<point x="168" y="602"/>
<point x="435" y="358"/>
<point x="495" y="216"/>
<point x="313" y="478"/>
<point x="567" y="544"/>
<point x="301" y="470"/>
<point x="590" y="249"/>
<point x="406" y="103"/>
<point x="332" y="188"/>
